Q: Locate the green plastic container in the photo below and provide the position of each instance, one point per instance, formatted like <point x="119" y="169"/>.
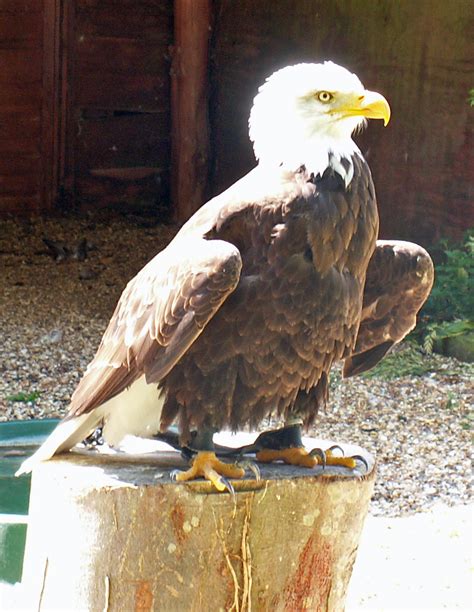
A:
<point x="18" y="440"/>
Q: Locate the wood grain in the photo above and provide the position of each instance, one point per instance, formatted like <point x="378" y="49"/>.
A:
<point x="134" y="540"/>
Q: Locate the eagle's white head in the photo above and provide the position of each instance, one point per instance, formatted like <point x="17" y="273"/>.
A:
<point x="303" y="113"/>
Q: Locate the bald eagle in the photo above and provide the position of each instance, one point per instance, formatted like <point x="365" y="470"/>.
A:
<point x="243" y="314"/>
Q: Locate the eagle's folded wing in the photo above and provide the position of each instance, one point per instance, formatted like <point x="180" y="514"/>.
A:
<point x="399" y="279"/>
<point x="159" y="315"/>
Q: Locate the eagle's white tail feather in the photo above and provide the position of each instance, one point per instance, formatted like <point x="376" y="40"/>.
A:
<point x="135" y="411"/>
<point x="65" y="436"/>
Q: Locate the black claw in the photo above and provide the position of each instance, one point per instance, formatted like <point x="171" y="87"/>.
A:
<point x="228" y="485"/>
<point x="174" y="474"/>
<point x="250" y="465"/>
<point x="336" y="446"/>
<point x="362" y="460"/>
<point x="318" y="452"/>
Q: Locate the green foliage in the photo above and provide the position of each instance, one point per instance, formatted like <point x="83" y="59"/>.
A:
<point x="446" y="329"/>
<point x="452" y="296"/>
<point x="452" y="401"/>
<point x="449" y="310"/>
<point x="24" y="397"/>
<point x="408" y="361"/>
<point x="468" y="424"/>
<point x="471" y="97"/>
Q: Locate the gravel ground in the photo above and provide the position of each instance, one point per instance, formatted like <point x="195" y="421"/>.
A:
<point x="53" y="314"/>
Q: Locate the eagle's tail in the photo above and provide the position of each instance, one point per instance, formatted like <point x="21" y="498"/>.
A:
<point x="67" y="434"/>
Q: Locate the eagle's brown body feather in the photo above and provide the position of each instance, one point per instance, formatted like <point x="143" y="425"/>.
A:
<point x="269" y="336"/>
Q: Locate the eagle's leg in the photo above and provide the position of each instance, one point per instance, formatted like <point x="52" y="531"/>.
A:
<point x="205" y="464"/>
<point x="94" y="439"/>
<point x="286" y="445"/>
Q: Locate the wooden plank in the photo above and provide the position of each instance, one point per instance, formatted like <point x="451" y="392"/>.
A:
<point x="28" y="59"/>
<point x="119" y="56"/>
<point x="51" y="111"/>
<point x="20" y="66"/>
<point x="25" y="7"/>
<point x="189" y="102"/>
<point x="25" y="145"/>
<point x="68" y="127"/>
<point x="19" y="124"/>
<point x="127" y="174"/>
<point x="123" y="141"/>
<point x="20" y="204"/>
<point x="20" y="101"/>
<point x="156" y="27"/>
<point x="123" y="92"/>
<point x="13" y="185"/>
<point x="105" y="190"/>
<point x="119" y="72"/>
<point x="125" y="7"/>
<point x="20" y="31"/>
<point x="19" y="164"/>
<point x="13" y="94"/>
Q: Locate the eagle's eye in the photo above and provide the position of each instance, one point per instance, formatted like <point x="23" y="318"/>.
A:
<point x="324" y="96"/>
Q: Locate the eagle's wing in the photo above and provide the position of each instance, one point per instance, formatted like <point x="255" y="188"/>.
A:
<point x="399" y="279"/>
<point x="159" y="315"/>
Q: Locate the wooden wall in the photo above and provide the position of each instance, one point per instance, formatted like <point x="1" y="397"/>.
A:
<point x="419" y="53"/>
<point x="85" y="98"/>
<point x="118" y="110"/>
<point x="84" y="103"/>
<point x="24" y="97"/>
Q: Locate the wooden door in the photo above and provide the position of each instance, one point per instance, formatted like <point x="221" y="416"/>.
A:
<point x="117" y="102"/>
<point x="28" y="104"/>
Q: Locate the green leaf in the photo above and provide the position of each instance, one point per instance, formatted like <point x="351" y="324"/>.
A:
<point x="24" y="397"/>
<point x="450" y="306"/>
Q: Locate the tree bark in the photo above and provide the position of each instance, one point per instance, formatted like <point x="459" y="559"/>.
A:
<point x="113" y="533"/>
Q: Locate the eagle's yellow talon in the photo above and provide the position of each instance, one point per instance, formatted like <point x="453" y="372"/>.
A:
<point x="207" y="465"/>
<point x="348" y="462"/>
<point x="300" y="456"/>
<point x="332" y="459"/>
<point x="292" y="456"/>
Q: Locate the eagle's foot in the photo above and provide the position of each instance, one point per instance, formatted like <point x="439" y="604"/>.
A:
<point x="284" y="444"/>
<point x="329" y="458"/>
<point x="247" y="464"/>
<point x="206" y="465"/>
<point x="300" y="456"/>
<point x="293" y="456"/>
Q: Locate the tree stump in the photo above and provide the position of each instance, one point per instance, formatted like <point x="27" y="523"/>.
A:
<point x="115" y="533"/>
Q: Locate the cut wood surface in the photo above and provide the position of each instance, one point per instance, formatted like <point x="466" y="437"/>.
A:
<point x="115" y="532"/>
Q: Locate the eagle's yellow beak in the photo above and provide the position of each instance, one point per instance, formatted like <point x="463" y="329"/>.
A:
<point x="373" y="106"/>
<point x="370" y="104"/>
